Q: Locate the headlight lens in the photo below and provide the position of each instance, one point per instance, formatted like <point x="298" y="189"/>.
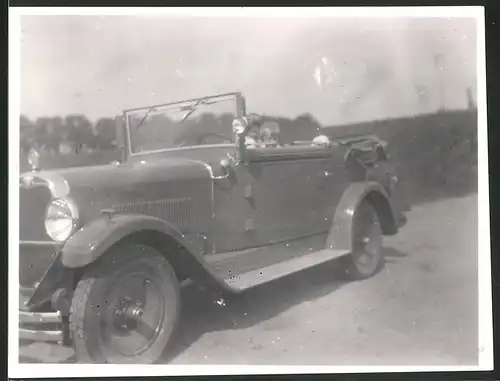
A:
<point x="61" y="219"/>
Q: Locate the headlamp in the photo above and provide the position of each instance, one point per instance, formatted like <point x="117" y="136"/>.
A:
<point x="61" y="219"/>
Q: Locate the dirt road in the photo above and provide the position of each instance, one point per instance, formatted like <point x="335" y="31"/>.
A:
<point x="421" y="309"/>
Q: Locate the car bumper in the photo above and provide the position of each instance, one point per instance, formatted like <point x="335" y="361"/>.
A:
<point x="31" y="326"/>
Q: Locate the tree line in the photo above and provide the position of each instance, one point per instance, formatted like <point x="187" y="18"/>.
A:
<point x="71" y="133"/>
<point x="76" y="133"/>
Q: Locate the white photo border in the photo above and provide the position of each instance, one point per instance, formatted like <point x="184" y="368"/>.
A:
<point x="485" y="333"/>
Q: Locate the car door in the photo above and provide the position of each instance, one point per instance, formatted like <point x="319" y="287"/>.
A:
<point x="285" y="194"/>
<point x="286" y="198"/>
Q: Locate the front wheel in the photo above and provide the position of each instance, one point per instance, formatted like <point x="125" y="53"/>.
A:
<point x="366" y="257"/>
<point x="125" y="307"/>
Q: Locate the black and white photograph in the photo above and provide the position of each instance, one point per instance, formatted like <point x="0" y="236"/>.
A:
<point x="244" y="191"/>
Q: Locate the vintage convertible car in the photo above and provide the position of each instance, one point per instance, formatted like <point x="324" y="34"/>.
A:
<point x="103" y="249"/>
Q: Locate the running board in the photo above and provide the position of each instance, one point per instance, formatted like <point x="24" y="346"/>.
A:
<point x="267" y="274"/>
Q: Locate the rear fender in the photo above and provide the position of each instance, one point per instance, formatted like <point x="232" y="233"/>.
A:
<point x="94" y="239"/>
<point x="340" y="235"/>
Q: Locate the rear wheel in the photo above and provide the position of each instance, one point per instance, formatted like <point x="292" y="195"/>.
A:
<point x="125" y="307"/>
<point x="366" y="257"/>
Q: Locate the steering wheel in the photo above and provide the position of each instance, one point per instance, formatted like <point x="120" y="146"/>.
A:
<point x="200" y="139"/>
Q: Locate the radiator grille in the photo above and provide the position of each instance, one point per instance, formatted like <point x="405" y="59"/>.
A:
<point x="176" y="210"/>
<point x="32" y="205"/>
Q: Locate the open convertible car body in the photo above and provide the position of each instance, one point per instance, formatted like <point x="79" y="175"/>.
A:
<point x="190" y="199"/>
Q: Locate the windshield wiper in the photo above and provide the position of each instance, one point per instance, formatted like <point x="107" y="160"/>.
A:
<point x="145" y="116"/>
<point x="189" y="109"/>
<point x="193" y="108"/>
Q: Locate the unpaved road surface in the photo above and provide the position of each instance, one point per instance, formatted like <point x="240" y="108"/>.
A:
<point x="421" y="309"/>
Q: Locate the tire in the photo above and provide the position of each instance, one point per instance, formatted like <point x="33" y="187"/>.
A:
<point x="366" y="258"/>
<point x="106" y="323"/>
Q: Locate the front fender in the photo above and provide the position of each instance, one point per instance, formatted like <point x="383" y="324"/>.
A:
<point x="92" y="240"/>
<point x="340" y="235"/>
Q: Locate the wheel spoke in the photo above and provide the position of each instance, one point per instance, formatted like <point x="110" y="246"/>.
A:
<point x="372" y="246"/>
<point x="364" y="259"/>
<point x="145" y="330"/>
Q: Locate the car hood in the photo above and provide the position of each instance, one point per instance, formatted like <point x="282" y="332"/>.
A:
<point x="120" y="175"/>
<point x="97" y="187"/>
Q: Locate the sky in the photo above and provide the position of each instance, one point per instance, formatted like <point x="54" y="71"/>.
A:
<point x="339" y="70"/>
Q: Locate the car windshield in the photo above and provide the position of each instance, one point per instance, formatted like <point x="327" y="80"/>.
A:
<point x="197" y="122"/>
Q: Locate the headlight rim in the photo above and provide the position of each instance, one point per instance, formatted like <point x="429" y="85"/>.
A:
<point x="74" y="214"/>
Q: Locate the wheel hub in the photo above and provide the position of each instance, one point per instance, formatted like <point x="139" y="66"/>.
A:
<point x="134" y="312"/>
<point x="127" y="313"/>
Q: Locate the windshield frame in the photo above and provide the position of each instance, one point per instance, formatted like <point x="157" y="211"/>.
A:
<point x="238" y="112"/>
